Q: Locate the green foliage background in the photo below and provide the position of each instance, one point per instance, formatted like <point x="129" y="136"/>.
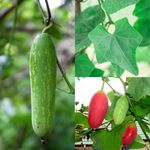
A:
<point x="15" y="119"/>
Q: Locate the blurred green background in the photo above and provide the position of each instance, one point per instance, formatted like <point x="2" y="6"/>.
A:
<point x="18" y="26"/>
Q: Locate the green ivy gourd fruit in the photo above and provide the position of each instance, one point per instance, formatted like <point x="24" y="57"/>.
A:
<point x="42" y="68"/>
<point x="120" y="110"/>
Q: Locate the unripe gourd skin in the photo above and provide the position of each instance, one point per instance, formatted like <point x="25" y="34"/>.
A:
<point x="97" y="109"/>
<point x="43" y="83"/>
<point x="129" y="135"/>
<point x="120" y="110"/>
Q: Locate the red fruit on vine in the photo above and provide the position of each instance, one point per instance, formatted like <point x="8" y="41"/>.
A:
<point x="129" y="135"/>
<point x="97" y="109"/>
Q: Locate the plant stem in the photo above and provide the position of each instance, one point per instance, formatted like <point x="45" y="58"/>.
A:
<point x="99" y="2"/>
<point x="105" y="80"/>
<point x="62" y="90"/>
<point x="46" y="28"/>
<point x="49" y="13"/>
<point x="90" y="130"/>
<point x="109" y="18"/>
<point x="107" y="14"/>
<point x="108" y="124"/>
<point x="124" y="86"/>
<point x="41" y="9"/>
<point x="102" y="87"/>
<point x="47" y="19"/>
<point x="72" y="91"/>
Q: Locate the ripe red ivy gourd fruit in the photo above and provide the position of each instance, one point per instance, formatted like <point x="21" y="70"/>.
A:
<point x="129" y="135"/>
<point x="97" y="109"/>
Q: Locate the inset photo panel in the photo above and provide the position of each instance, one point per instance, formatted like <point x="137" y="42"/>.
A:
<point x="112" y="38"/>
<point x="112" y="113"/>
